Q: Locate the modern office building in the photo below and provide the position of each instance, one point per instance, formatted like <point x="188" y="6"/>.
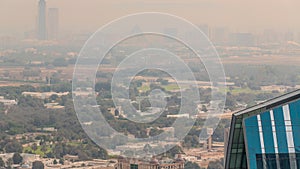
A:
<point x="266" y="136"/>
<point x="42" y="32"/>
<point x="53" y="23"/>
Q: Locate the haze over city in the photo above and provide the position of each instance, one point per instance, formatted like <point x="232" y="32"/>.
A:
<point x="217" y="87"/>
<point x="18" y="16"/>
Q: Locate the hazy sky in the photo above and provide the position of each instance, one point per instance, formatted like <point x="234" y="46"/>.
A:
<point x="18" y="16"/>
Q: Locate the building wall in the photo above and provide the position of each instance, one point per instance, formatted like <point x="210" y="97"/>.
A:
<point x="53" y="23"/>
<point x="42" y="34"/>
<point x="135" y="163"/>
<point x="272" y="138"/>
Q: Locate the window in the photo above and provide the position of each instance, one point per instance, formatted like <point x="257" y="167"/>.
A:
<point x="270" y="160"/>
<point x="134" y="166"/>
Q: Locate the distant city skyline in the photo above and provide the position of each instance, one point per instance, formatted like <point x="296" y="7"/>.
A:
<point x="17" y="17"/>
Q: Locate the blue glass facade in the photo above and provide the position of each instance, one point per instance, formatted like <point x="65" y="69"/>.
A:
<point x="272" y="137"/>
<point x="266" y="136"/>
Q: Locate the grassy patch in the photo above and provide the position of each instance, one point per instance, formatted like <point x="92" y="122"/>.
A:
<point x="171" y="87"/>
<point x="144" y="88"/>
<point x="236" y="91"/>
<point x="39" y="150"/>
<point x="168" y="87"/>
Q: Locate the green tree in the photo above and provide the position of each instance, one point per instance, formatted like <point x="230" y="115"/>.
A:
<point x="191" y="141"/>
<point x="2" y="163"/>
<point x="204" y="108"/>
<point x="61" y="161"/>
<point x="215" y="165"/>
<point x="173" y="151"/>
<point x="34" y="146"/>
<point x="13" y="147"/>
<point x="44" y="148"/>
<point x="191" y="165"/>
<point x="38" y="165"/>
<point x="54" y="97"/>
<point x="17" y="158"/>
<point x="154" y="132"/>
<point x="82" y="156"/>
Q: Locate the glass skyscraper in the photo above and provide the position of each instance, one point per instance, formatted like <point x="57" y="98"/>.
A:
<point x="266" y="136"/>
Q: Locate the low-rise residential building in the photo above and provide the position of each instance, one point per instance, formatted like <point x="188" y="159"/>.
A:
<point x="7" y="102"/>
<point x="44" y="95"/>
<point x="133" y="163"/>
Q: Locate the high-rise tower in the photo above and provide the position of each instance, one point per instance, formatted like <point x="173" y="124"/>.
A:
<point x="53" y="23"/>
<point x="42" y="33"/>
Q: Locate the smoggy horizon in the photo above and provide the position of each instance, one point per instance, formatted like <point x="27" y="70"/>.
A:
<point x="17" y="16"/>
